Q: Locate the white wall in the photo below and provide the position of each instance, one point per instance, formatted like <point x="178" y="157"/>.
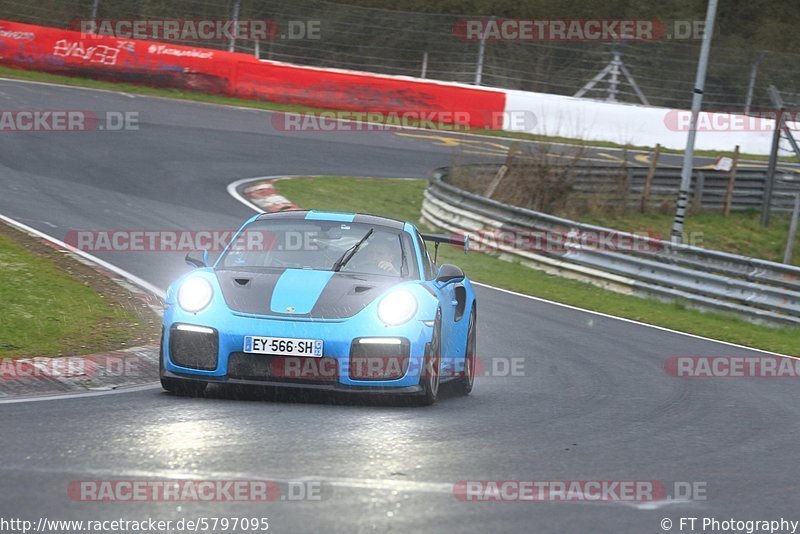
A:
<point x="593" y="120"/>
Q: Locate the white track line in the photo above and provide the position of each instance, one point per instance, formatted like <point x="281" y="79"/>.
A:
<point x="633" y="321"/>
<point x="234" y="186"/>
<point x="132" y="278"/>
<point x="232" y="189"/>
<point x="66" y="396"/>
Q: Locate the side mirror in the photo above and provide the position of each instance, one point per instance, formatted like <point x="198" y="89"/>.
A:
<point x="196" y="260"/>
<point x="449" y="273"/>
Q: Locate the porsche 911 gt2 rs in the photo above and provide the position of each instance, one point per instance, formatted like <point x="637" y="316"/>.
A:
<point x="323" y="300"/>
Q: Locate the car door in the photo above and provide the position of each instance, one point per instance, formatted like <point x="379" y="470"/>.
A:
<point x="447" y="295"/>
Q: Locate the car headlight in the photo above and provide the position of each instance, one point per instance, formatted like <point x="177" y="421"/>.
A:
<point x="397" y="307"/>
<point x="195" y="294"/>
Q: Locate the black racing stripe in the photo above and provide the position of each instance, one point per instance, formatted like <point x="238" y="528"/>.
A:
<point x="345" y="295"/>
<point x="375" y="220"/>
<point x="348" y="293"/>
<point x="248" y="291"/>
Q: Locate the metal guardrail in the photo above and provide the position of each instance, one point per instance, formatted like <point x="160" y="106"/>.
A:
<point x="761" y="290"/>
<point x="708" y="187"/>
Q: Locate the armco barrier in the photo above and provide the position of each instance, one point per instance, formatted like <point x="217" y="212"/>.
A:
<point x="58" y="51"/>
<point x="708" y="187"/>
<point x="758" y="289"/>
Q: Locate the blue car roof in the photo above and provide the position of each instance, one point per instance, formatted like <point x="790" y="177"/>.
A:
<point x="335" y="216"/>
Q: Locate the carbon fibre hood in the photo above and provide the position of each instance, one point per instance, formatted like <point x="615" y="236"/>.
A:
<point x="300" y="292"/>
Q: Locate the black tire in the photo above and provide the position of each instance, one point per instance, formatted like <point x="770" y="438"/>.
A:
<point x="184" y="388"/>
<point x="464" y="384"/>
<point x="432" y="368"/>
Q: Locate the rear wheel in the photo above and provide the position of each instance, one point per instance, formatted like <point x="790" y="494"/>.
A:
<point x="431" y="370"/>
<point x="184" y="388"/>
<point x="465" y="383"/>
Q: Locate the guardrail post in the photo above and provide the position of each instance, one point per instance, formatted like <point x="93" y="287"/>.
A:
<point x="787" y="253"/>
<point x="481" y="54"/>
<point x="648" y="183"/>
<point x="234" y="20"/>
<point x="502" y="171"/>
<point x="623" y="181"/>
<point x="766" y="201"/>
<point x="628" y="185"/>
<point x="699" y="184"/>
<point x="726" y="210"/>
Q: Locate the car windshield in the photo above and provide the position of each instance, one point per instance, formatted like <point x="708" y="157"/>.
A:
<point x="319" y="245"/>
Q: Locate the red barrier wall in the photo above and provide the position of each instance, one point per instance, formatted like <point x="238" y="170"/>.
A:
<point x="58" y="51"/>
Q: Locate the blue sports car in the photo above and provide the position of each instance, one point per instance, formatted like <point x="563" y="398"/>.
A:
<point x="332" y="301"/>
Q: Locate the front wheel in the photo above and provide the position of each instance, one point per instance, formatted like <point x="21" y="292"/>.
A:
<point x="431" y="370"/>
<point x="183" y="388"/>
<point x="465" y="383"/>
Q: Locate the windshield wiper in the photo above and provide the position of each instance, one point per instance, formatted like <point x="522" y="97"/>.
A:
<point x="403" y="263"/>
<point x="350" y="252"/>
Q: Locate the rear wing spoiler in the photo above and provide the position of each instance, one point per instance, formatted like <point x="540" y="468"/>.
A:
<point x="450" y="239"/>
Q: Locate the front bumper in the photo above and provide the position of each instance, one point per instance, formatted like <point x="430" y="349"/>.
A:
<point x="338" y="337"/>
<point x="372" y="389"/>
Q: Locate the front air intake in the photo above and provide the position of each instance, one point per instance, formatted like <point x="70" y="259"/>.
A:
<point x="379" y="358"/>
<point x="193" y="348"/>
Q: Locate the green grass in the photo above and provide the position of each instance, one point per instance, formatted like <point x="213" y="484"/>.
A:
<point x="7" y="72"/>
<point x="45" y="311"/>
<point x="402" y="199"/>
<point x="740" y="233"/>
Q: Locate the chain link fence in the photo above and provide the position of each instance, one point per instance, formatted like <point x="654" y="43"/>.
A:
<point x="406" y="43"/>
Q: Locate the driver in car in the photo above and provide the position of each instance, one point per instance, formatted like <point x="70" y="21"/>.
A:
<point x="381" y="256"/>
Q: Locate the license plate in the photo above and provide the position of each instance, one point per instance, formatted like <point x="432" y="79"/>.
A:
<point x="283" y="346"/>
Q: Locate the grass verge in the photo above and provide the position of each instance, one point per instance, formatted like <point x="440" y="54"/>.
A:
<point x="53" y="305"/>
<point x="18" y="74"/>
<point x="402" y="199"/>
<point x="740" y="233"/>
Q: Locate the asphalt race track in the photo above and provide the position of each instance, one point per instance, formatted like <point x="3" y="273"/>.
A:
<point x="594" y="402"/>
